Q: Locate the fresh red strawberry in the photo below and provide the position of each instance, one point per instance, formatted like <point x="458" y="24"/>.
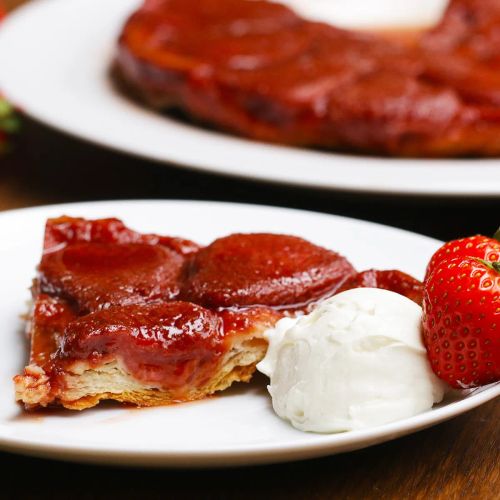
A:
<point x="461" y="322"/>
<point x="395" y="281"/>
<point x="478" y="246"/>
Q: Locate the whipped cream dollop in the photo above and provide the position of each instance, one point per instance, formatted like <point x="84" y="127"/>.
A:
<point x="356" y="361"/>
<point x="393" y="14"/>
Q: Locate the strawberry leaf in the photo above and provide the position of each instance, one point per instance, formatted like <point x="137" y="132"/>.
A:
<point x="495" y="266"/>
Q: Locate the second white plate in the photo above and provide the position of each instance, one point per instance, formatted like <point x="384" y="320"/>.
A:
<point x="55" y="57"/>
<point x="236" y="427"/>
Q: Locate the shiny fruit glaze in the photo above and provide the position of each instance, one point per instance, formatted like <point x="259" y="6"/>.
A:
<point x="64" y="231"/>
<point x="263" y="269"/>
<point x="172" y="345"/>
<point x="49" y="318"/>
<point x="98" y="275"/>
<point x="167" y="310"/>
<point x="393" y="280"/>
<point x="257" y="69"/>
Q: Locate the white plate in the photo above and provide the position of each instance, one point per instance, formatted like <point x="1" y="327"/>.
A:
<point x="54" y="60"/>
<point x="237" y="427"/>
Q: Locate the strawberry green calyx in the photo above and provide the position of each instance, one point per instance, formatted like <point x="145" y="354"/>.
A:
<point x="495" y="266"/>
<point x="496" y="236"/>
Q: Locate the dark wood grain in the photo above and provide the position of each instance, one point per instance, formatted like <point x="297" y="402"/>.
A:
<point x="457" y="459"/>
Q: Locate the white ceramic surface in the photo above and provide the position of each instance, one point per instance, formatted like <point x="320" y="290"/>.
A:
<point x="384" y="14"/>
<point x="55" y="57"/>
<point x="237" y="427"/>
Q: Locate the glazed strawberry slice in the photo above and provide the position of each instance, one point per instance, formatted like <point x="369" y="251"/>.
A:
<point x="174" y="344"/>
<point x="94" y="276"/>
<point x="461" y="322"/>
<point x="393" y="280"/>
<point x="64" y="231"/>
<point x="263" y="269"/>
<point x="478" y="246"/>
<point x="95" y="264"/>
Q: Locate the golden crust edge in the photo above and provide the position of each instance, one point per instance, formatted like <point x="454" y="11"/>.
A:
<point x="33" y="388"/>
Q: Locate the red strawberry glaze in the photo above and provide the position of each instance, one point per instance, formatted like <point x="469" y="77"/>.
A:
<point x="64" y="231"/>
<point x="174" y="345"/>
<point x="395" y="281"/>
<point x="97" y="275"/>
<point x="263" y="269"/>
<point x="116" y="290"/>
<point x="49" y="319"/>
<point x="167" y="311"/>
<point x="243" y="320"/>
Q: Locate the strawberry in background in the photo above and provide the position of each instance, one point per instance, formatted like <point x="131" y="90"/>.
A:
<point x="9" y="123"/>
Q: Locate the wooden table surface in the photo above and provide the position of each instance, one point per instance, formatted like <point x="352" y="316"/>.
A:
<point x="457" y="459"/>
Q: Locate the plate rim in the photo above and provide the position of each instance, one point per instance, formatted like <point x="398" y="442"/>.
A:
<point x="252" y="454"/>
<point x="275" y="152"/>
<point x="229" y="204"/>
